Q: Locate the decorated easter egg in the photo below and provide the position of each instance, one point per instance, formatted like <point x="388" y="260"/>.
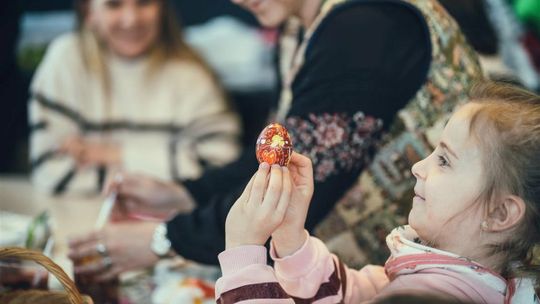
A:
<point x="274" y="145"/>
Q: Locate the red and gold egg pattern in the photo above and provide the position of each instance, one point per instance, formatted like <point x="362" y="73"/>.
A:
<point x="274" y="145"/>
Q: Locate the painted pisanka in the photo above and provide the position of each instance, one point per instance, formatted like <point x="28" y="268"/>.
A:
<point x="274" y="145"/>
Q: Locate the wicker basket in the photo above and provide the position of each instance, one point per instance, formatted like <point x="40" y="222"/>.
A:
<point x="71" y="294"/>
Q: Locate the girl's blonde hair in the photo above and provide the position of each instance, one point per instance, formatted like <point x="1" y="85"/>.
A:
<point x="170" y="43"/>
<point x="507" y="126"/>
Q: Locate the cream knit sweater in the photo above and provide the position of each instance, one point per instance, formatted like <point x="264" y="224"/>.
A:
<point x="169" y="123"/>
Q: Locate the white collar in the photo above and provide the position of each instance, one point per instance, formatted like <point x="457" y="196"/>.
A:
<point x="402" y="245"/>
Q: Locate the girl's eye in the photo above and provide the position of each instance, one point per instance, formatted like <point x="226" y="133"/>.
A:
<point x="443" y="162"/>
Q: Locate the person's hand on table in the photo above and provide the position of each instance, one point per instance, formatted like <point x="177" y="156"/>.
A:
<point x="260" y="208"/>
<point x="290" y="235"/>
<point x="121" y="247"/>
<point x="140" y="195"/>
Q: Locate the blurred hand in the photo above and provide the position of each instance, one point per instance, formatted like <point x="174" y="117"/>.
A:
<point x="290" y="235"/>
<point x="92" y="153"/>
<point x="100" y="154"/>
<point x="127" y="244"/>
<point x="260" y="208"/>
<point x="140" y="195"/>
<point x="73" y="146"/>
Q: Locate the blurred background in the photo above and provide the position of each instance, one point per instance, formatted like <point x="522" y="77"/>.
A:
<point x="505" y="32"/>
<point x="228" y="38"/>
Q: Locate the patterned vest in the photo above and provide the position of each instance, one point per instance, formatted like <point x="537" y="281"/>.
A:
<point x="381" y="198"/>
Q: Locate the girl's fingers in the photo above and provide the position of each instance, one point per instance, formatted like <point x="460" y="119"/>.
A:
<point x="286" y="192"/>
<point x="300" y="160"/>
<point x="273" y="191"/>
<point x="258" y="188"/>
<point x="302" y="165"/>
<point x="244" y="197"/>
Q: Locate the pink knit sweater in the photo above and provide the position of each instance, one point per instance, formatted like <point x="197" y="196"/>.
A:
<point x="314" y="275"/>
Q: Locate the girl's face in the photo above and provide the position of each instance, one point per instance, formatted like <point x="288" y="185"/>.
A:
<point x="129" y="28"/>
<point x="271" y="13"/>
<point x="448" y="183"/>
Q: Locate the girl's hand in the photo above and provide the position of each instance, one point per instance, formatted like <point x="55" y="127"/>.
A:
<point x="261" y="207"/>
<point x="290" y="235"/>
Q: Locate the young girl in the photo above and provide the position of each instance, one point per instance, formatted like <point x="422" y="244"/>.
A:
<point x="125" y="91"/>
<point x="472" y="228"/>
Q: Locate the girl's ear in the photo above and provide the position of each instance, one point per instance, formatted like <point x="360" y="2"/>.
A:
<point x="507" y="214"/>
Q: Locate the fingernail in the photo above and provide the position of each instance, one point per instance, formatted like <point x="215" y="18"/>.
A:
<point x="285" y="169"/>
<point x="275" y="166"/>
<point x="264" y="166"/>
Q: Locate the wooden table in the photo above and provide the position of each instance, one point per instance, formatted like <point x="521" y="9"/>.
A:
<point x="75" y="215"/>
<point x="70" y="214"/>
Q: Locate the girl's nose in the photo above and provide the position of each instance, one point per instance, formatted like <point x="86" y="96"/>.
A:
<point x="418" y="169"/>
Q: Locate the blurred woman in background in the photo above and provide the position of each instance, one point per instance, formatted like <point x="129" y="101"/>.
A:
<point x="125" y="91"/>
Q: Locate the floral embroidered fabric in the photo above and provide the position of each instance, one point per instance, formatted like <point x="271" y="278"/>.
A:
<point x="334" y="142"/>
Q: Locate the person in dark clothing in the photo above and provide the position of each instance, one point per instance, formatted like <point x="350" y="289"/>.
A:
<point x="347" y="69"/>
<point x="472" y="17"/>
<point x="12" y="92"/>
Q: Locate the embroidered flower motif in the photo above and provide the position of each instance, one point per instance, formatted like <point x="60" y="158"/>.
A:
<point x="324" y="167"/>
<point x="329" y="131"/>
<point x="334" y="141"/>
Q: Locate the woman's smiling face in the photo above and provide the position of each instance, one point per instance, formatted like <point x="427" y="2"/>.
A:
<point x="129" y="28"/>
